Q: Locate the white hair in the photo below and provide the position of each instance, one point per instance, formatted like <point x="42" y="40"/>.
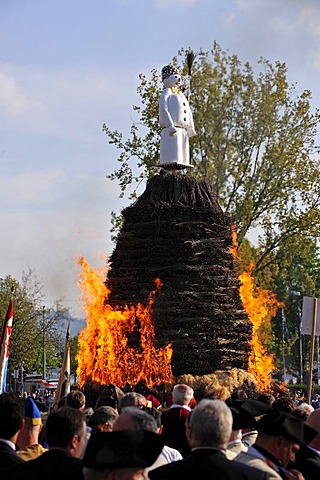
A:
<point x="210" y="424"/>
<point x="182" y="394"/>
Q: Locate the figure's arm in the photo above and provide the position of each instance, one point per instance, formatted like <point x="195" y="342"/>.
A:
<point x="164" y="113"/>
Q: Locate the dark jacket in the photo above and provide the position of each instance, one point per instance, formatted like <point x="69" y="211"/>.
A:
<point x="207" y="464"/>
<point x="51" y="465"/>
<point x="174" y="429"/>
<point x="8" y="457"/>
<point x="308" y="463"/>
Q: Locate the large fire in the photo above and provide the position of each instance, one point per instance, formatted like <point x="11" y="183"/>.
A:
<point x="104" y="354"/>
<point x="261" y="306"/>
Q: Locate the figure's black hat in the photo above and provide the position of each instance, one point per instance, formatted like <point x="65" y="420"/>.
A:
<point x="169" y="70"/>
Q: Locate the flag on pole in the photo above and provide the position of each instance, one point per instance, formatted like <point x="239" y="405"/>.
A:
<point x="5" y="346"/>
<point x="285" y="330"/>
<point x="63" y="387"/>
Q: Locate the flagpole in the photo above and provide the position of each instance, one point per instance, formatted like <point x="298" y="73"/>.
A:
<point x="313" y="335"/>
<point x="284" y="327"/>
<point x="283" y="353"/>
<point x="43" y="345"/>
<point x="300" y="348"/>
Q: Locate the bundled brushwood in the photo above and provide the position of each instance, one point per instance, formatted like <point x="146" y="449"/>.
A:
<point x="176" y="231"/>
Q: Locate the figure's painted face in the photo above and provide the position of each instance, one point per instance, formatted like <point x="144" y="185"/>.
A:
<point x="172" y="81"/>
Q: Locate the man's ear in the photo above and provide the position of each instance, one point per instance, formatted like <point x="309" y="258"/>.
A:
<point x="74" y="441"/>
<point x="22" y="424"/>
<point x="105" y="427"/>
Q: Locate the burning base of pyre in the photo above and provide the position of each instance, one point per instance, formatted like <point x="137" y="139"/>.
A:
<point x="172" y="303"/>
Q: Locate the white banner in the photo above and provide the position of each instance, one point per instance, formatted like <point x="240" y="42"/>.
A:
<point x="307" y="316"/>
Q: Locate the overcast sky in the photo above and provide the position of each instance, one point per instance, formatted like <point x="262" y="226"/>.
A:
<point x="68" y="66"/>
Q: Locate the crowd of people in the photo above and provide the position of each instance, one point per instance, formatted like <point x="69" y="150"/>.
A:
<point x="129" y="436"/>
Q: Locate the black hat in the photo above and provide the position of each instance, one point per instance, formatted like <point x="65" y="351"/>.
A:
<point x="122" y="449"/>
<point x="244" y="413"/>
<point x="287" y="425"/>
<point x="169" y="70"/>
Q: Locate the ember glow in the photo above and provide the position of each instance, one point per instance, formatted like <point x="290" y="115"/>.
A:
<point x="261" y="306"/>
<point x="104" y="354"/>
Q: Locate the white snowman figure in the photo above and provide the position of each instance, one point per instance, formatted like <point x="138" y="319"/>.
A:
<point x="175" y="117"/>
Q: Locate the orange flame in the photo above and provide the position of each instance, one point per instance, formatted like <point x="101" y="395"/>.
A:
<point x="104" y="355"/>
<point x="261" y="306"/>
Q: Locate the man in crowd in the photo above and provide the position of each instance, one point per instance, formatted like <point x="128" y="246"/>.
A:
<point x="65" y="434"/>
<point x="28" y="439"/>
<point x="308" y="457"/>
<point x="174" y="419"/>
<point x="132" y="399"/>
<point x="76" y="399"/>
<point x="133" y="418"/>
<point x="121" y="455"/>
<point x="11" y="424"/>
<point x="245" y="414"/>
<point x="280" y="436"/>
<point x="103" y="419"/>
<point x="208" y="430"/>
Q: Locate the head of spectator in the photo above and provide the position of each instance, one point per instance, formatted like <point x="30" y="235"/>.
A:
<point x="132" y="399"/>
<point x="156" y="414"/>
<point x="209" y="425"/>
<point x="282" y="434"/>
<point x="103" y="419"/>
<point x="29" y="435"/>
<point x="88" y="413"/>
<point x="182" y="394"/>
<point x="303" y="411"/>
<point x="121" y="455"/>
<point x="266" y="397"/>
<point x="66" y="430"/>
<point x="76" y="399"/>
<point x="284" y="404"/>
<point x="238" y="394"/>
<point x="313" y="421"/>
<point x="133" y="418"/>
<point x="12" y="417"/>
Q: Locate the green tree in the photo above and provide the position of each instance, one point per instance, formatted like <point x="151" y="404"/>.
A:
<point x="298" y="275"/>
<point x="31" y="324"/>
<point x="255" y="143"/>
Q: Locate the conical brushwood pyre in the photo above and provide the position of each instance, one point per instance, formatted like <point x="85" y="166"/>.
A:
<point x="177" y="232"/>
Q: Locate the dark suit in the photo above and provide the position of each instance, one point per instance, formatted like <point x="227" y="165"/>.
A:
<point x="174" y="429"/>
<point x="8" y="457"/>
<point x="207" y="464"/>
<point x="308" y="463"/>
<point x="52" y="465"/>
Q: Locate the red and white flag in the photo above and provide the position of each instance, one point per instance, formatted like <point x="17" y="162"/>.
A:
<point x="5" y="346"/>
